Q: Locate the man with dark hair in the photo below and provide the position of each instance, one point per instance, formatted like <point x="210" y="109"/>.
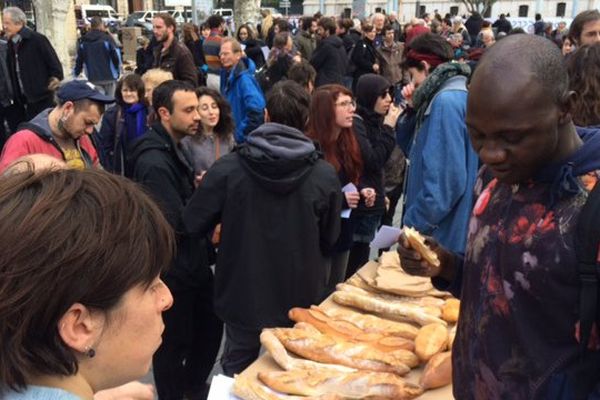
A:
<point x="278" y="204"/>
<point x="585" y="28"/>
<point x="212" y="49"/>
<point x="100" y="58"/>
<point x="240" y="88"/>
<point x="524" y="331"/>
<point x="34" y="68"/>
<point x="539" y="25"/>
<point x="502" y="24"/>
<point x="192" y="331"/>
<point x="303" y="74"/>
<point x="473" y="25"/>
<point x="169" y="54"/>
<point x="329" y="57"/>
<point x="63" y="131"/>
<point x="305" y="39"/>
<point x="390" y="55"/>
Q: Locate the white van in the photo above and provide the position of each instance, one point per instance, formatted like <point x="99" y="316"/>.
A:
<point x="223" y="12"/>
<point x="107" y="13"/>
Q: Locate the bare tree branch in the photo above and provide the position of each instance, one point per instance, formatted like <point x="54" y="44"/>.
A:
<point x="480" y="6"/>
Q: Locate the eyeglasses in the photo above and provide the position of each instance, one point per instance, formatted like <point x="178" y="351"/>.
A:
<point x="387" y="91"/>
<point x="347" y="104"/>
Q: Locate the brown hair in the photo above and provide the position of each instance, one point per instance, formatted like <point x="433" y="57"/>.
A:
<point x="168" y="20"/>
<point x="189" y="32"/>
<point x="579" y="22"/>
<point x="584" y="79"/>
<point x="225" y="127"/>
<point x="342" y="152"/>
<point x="69" y="237"/>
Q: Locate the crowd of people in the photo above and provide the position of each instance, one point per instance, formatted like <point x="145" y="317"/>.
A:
<point x="275" y="156"/>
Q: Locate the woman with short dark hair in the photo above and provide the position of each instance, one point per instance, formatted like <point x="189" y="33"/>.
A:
<point x="80" y="290"/>
<point x="123" y="124"/>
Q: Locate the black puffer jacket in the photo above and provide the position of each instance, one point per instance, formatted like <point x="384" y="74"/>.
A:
<point x="330" y="61"/>
<point x="363" y="57"/>
<point x="279" y="205"/>
<point x="169" y="178"/>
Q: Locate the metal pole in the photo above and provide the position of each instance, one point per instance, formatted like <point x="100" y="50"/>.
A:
<point x="194" y="13"/>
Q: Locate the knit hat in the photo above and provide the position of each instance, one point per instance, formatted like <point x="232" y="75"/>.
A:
<point x="369" y="87"/>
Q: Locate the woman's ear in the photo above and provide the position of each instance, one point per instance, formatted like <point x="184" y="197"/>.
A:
<point x="79" y="328"/>
<point x="426" y="67"/>
<point x="566" y="106"/>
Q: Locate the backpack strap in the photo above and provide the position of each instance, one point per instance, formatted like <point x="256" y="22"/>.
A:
<point x="587" y="246"/>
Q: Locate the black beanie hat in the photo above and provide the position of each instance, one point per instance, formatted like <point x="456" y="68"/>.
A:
<point x="369" y="87"/>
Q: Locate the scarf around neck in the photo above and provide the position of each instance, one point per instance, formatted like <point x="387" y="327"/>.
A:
<point x="135" y="121"/>
<point x="431" y="86"/>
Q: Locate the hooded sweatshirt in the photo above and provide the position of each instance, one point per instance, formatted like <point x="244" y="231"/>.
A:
<point x="330" y="61"/>
<point x="279" y="206"/>
<point x="519" y="287"/>
<point x="98" y="54"/>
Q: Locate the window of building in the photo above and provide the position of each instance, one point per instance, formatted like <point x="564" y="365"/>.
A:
<point x="560" y="9"/>
<point x="523" y="11"/>
<point x="422" y="10"/>
<point x="454" y="11"/>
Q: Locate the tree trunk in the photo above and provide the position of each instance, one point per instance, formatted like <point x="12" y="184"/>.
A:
<point x="246" y="11"/>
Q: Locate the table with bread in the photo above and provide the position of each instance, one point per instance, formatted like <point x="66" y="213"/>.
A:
<point x="383" y="334"/>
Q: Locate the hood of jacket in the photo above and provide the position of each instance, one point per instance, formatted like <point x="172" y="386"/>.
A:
<point x="94" y="35"/>
<point x="41" y="120"/>
<point x="245" y="67"/>
<point x="278" y="157"/>
<point x="562" y="175"/>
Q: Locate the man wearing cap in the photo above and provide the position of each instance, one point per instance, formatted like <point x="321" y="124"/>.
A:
<point x="62" y="131"/>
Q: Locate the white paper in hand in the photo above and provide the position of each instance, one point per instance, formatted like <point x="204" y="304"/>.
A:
<point x="349" y="188"/>
<point x="220" y="388"/>
<point x="386" y="237"/>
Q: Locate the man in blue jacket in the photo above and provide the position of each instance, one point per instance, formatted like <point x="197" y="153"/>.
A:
<point x="241" y="89"/>
<point x="100" y="58"/>
<point x="443" y="165"/>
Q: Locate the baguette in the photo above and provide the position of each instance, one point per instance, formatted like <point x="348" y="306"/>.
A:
<point x="427" y="301"/>
<point x="325" y="349"/>
<point x="432" y="339"/>
<point x="438" y="371"/>
<point x="417" y="242"/>
<point x="372" y="324"/>
<point x="451" y="336"/>
<point x="287" y="362"/>
<point x="348" y="331"/>
<point x="450" y="310"/>
<point x="397" y="311"/>
<point x="353" y="385"/>
<point x="247" y="389"/>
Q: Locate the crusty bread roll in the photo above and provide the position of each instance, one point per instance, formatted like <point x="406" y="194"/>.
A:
<point x="450" y="310"/>
<point x="247" y="389"/>
<point x="437" y="372"/>
<point x="287" y="362"/>
<point x="430" y="340"/>
<point x="417" y="242"/>
<point x="325" y="349"/>
<point x="451" y="336"/>
<point x="353" y="385"/>
<point x="370" y="323"/>
<point x="396" y="311"/>
<point x="348" y="331"/>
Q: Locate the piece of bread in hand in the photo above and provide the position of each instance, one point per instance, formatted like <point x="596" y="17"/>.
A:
<point x="438" y="371"/>
<point x="417" y="242"/>
<point x="450" y="310"/>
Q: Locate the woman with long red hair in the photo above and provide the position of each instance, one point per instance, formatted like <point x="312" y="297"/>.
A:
<point x="330" y="125"/>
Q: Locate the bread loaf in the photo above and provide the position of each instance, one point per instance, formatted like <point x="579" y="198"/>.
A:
<point x="450" y="310"/>
<point x="325" y="349"/>
<point x="370" y="323"/>
<point x="247" y="389"/>
<point x="348" y="331"/>
<point x="353" y="385"/>
<point x="451" y="336"/>
<point x="425" y="301"/>
<point x="397" y="311"/>
<point x="430" y="340"/>
<point x="437" y="372"/>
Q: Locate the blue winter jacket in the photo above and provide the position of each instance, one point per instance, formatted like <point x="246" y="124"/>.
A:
<point x="243" y="93"/>
<point x="98" y="54"/>
<point x="443" y="169"/>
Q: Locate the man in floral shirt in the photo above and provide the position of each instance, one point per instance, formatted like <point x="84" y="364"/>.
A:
<point x="518" y="333"/>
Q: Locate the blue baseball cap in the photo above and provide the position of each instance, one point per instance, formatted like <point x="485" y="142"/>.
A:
<point x="81" y="89"/>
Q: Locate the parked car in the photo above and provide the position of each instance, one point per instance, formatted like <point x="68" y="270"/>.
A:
<point x="223" y="12"/>
<point x="140" y="17"/>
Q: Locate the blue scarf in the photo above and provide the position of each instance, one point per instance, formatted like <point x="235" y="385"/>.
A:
<point x="135" y="121"/>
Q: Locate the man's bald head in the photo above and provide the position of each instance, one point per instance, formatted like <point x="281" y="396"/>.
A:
<point x="526" y="55"/>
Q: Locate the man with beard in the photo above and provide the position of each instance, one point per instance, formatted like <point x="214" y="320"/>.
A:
<point x="63" y="131"/>
<point x="171" y="55"/>
<point x="192" y="331"/>
<point x="329" y="58"/>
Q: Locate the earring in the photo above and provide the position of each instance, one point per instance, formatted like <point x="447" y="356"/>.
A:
<point x="90" y="352"/>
